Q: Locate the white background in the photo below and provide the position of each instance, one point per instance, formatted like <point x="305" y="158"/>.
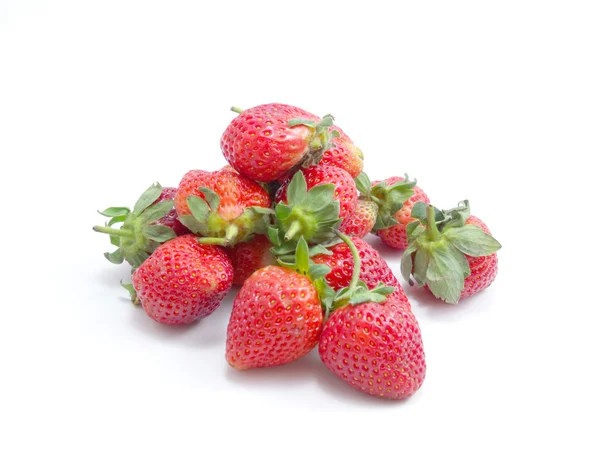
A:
<point x="497" y="102"/>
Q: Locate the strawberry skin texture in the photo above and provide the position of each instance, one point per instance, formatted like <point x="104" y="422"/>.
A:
<point x="276" y="319"/>
<point x="183" y="280"/>
<point x="259" y="144"/>
<point x="373" y="268"/>
<point x="343" y="154"/>
<point x="235" y="191"/>
<point x="395" y="236"/>
<point x="171" y="220"/>
<point x="361" y="222"/>
<point x="376" y="348"/>
<point x="345" y="187"/>
<point x="248" y="257"/>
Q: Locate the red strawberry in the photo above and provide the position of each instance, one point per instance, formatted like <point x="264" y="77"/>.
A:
<point x="345" y="188"/>
<point x="183" y="280"/>
<point x="376" y="348"/>
<point x="362" y="221"/>
<point x="248" y="257"/>
<point x="343" y="153"/>
<point x="373" y="268"/>
<point x="451" y="253"/>
<point x="266" y="142"/>
<point x="371" y="340"/>
<point x="276" y="317"/>
<point x="395" y="236"/>
<point x="223" y="206"/>
<point x="151" y="222"/>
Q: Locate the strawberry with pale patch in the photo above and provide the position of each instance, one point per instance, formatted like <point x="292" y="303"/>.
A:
<point x="343" y="153"/>
<point x="450" y="252"/>
<point x="223" y="207"/>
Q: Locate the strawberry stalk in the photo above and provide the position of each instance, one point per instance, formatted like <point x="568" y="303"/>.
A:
<point x="113" y="231"/>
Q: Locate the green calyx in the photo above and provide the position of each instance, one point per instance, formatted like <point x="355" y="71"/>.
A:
<point x="138" y="235"/>
<point x="303" y="264"/>
<point x="309" y="214"/>
<point x="438" y="244"/>
<point x="132" y="293"/>
<point x="389" y="199"/>
<point x="357" y="291"/>
<point x="206" y="221"/>
<point x="321" y="140"/>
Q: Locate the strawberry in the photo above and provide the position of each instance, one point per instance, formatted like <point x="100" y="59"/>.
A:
<point x="151" y="222"/>
<point x="183" y="280"/>
<point x="276" y="316"/>
<point x="345" y="188"/>
<point x="362" y="221"/>
<point x="304" y="213"/>
<point x="248" y="257"/>
<point x="376" y="348"/>
<point x="267" y="141"/>
<point x="450" y="252"/>
<point x="371" y="340"/>
<point x="373" y="268"/>
<point x="223" y="206"/>
<point x="395" y="198"/>
<point x="343" y="153"/>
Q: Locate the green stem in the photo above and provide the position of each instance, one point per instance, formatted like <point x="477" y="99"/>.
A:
<point x="213" y="241"/>
<point x="293" y="231"/>
<point x="432" y="231"/>
<point x="237" y="110"/>
<point x="113" y="231"/>
<point x="355" y="261"/>
<point x="231" y="232"/>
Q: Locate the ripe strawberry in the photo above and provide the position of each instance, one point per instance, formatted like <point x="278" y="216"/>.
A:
<point x="450" y="252"/>
<point x="373" y="268"/>
<point x="248" y="257"/>
<point x="395" y="235"/>
<point x="151" y="222"/>
<point x="376" y="348"/>
<point x="343" y="153"/>
<point x="276" y="317"/>
<point x="267" y="141"/>
<point x="372" y="341"/>
<point x="363" y="220"/>
<point x="183" y="280"/>
<point x="223" y="206"/>
<point x="345" y="188"/>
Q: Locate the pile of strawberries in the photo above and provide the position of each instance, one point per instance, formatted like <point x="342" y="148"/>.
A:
<point x="285" y="221"/>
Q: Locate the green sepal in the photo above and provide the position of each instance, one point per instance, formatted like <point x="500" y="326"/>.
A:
<point x="311" y="214"/>
<point x="406" y="263"/>
<point x="363" y="184"/>
<point x="198" y="207"/>
<point x="192" y="224"/>
<point x="377" y="295"/>
<point x="316" y="271"/>
<point x="116" y="257"/>
<point x="302" y="259"/>
<point x="389" y="199"/>
<point x="457" y="217"/>
<point x="211" y="197"/>
<point x="156" y="211"/>
<point x="158" y="233"/>
<point x="306" y="122"/>
<point x="139" y="235"/>
<point x="419" y="212"/>
<point x="472" y="240"/>
<point x="132" y="293"/>
<point x="302" y="263"/>
<point x="149" y="196"/>
<point x="446" y="273"/>
<point x="115" y="211"/>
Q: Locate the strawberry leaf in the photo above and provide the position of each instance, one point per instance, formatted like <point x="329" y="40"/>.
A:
<point x="116" y="257"/>
<point x="198" y="207"/>
<point x="446" y="273"/>
<point x="158" y="233"/>
<point x="156" y="211"/>
<point x="472" y="240"/>
<point x="115" y="212"/>
<point x="149" y="196"/>
<point x="211" y="197"/>
<point x="363" y="184"/>
<point x="320" y="195"/>
<point x="296" y="190"/>
<point x="407" y="262"/>
<point x="192" y="224"/>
